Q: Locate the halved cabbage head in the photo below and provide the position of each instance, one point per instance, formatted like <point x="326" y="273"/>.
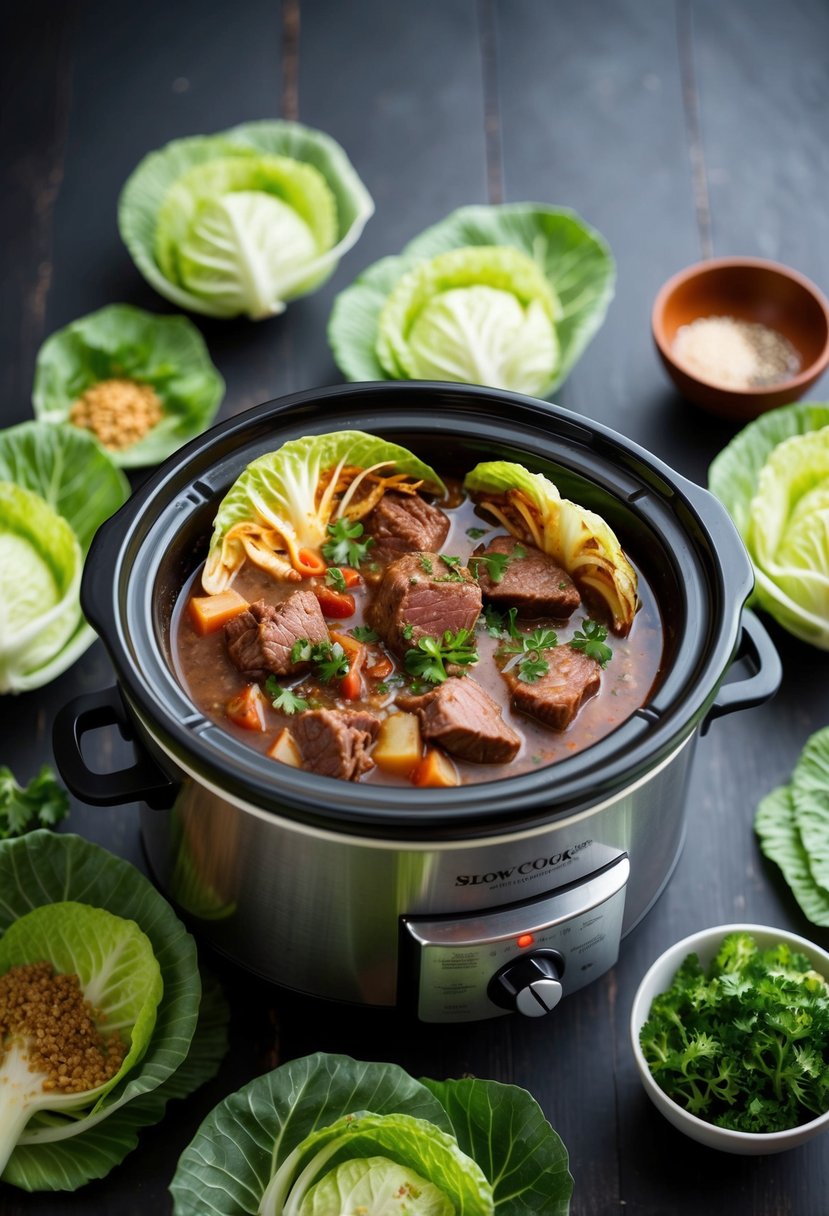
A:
<point x="477" y="315"/>
<point x="276" y="514"/>
<point x="788" y="534"/>
<point x="40" y="574"/>
<point x="241" y="222"/>
<point x="530" y="507"/>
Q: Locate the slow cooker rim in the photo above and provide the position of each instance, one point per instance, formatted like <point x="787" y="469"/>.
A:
<point x="620" y="757"/>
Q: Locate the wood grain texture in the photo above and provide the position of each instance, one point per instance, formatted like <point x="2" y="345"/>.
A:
<point x="665" y="126"/>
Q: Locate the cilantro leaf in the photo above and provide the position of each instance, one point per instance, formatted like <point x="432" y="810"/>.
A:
<point x="333" y="665"/>
<point x="428" y="659"/>
<point x="40" y="804"/>
<point x="335" y="578"/>
<point x="476" y="533"/>
<point x="284" y="699"/>
<point x="363" y="633"/>
<point x="591" y="640"/>
<point x="345" y="548"/>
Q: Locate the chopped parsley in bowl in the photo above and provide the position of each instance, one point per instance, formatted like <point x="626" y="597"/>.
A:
<point x="730" y="1032"/>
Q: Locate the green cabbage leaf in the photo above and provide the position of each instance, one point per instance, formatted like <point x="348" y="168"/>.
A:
<point x="58" y="486"/>
<point x="119" y="976"/>
<point x="119" y="341"/>
<point x="774" y="479"/>
<point x="328" y="1134"/>
<point x="243" y="221"/>
<point x="284" y="501"/>
<point x="63" y="1150"/>
<point x="468" y="336"/>
<point x="530" y="507"/>
<point x="482" y="315"/>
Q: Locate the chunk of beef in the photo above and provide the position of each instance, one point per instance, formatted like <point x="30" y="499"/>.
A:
<point x="404" y="523"/>
<point x="259" y="640"/>
<point x="533" y="584"/>
<point x="557" y="697"/>
<point x="334" y="742"/>
<point x="421" y="596"/>
<point x="463" y="718"/>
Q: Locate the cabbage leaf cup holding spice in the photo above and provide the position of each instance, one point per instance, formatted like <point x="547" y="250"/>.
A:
<point x="141" y="384"/>
<point x="86" y="935"/>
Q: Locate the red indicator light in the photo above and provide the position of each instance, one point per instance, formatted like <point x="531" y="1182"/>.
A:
<point x="525" y="939"/>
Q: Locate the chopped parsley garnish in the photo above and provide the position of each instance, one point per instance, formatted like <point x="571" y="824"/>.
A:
<point x="335" y="578"/>
<point x="527" y="651"/>
<point x="453" y="564"/>
<point x="496" y="563"/>
<point x="426" y="563"/>
<point x="40" y="804"/>
<point x="476" y="533"/>
<point x="283" y="699"/>
<point x="591" y="640"/>
<point x="744" y="1042"/>
<point x="345" y="547"/>
<point x="407" y="632"/>
<point x="329" y="659"/>
<point x="363" y="633"/>
<point x="428" y="659"/>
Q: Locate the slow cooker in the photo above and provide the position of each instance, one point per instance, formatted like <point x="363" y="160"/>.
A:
<point x="458" y="904"/>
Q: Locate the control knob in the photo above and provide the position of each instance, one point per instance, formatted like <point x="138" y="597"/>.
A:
<point x="530" y="984"/>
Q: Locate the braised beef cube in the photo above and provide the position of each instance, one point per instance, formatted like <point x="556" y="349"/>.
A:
<point x="334" y="742"/>
<point x="556" y="698"/>
<point x="420" y="595"/>
<point x="259" y="640"/>
<point x="464" y="719"/>
<point x="532" y="584"/>
<point x="404" y="523"/>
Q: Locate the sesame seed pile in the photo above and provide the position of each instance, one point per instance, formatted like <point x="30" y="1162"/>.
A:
<point x="735" y="354"/>
<point x="49" y="1012"/>
<point x="119" y="412"/>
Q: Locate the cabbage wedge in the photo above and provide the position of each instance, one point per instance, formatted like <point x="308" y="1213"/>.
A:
<point x="530" y="507"/>
<point x="276" y="514"/>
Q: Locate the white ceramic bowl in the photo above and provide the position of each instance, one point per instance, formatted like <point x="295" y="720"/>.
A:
<point x="657" y="979"/>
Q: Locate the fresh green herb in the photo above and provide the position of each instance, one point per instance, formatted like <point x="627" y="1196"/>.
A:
<point x="334" y="666"/>
<point x="345" y="547"/>
<point x="329" y="659"/>
<point x="745" y="1044"/>
<point x="426" y="563"/>
<point x="526" y="643"/>
<point x="284" y="699"/>
<point x="532" y="669"/>
<point x="476" y="533"/>
<point x="492" y="621"/>
<point x="363" y="633"/>
<point x="527" y="650"/>
<point x="429" y="657"/>
<point x="563" y="586"/>
<point x="407" y="632"/>
<point x="495" y="563"/>
<point x="591" y="640"/>
<point x="453" y="565"/>
<point x="386" y="685"/>
<point x="335" y="578"/>
<point x="40" y="804"/>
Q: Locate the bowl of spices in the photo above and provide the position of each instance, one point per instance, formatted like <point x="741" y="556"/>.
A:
<point x="739" y="336"/>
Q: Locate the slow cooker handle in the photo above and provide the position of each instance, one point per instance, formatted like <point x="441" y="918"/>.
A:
<point x="144" y="781"/>
<point x="756" y="646"/>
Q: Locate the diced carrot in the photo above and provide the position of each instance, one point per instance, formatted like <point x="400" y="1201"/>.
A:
<point x="211" y="612"/>
<point x="248" y="708"/>
<point x="337" y="604"/>
<point x="398" y="749"/>
<point x="310" y="563"/>
<point x="379" y="670"/>
<point x="351" y="685"/>
<point x="435" y="769"/>
<point x="285" y="749"/>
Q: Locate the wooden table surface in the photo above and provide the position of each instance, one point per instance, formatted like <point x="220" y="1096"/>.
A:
<point x="679" y="131"/>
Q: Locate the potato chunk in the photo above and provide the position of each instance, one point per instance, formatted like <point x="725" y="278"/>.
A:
<point x="399" y="748"/>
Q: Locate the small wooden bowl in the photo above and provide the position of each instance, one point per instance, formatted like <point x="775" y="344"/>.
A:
<point x="748" y="289"/>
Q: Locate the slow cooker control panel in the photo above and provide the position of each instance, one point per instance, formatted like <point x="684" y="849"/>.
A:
<point x="523" y="958"/>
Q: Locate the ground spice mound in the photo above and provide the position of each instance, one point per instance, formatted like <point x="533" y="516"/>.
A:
<point x="119" y="412"/>
<point x="735" y="354"/>
<point x="50" y="1014"/>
